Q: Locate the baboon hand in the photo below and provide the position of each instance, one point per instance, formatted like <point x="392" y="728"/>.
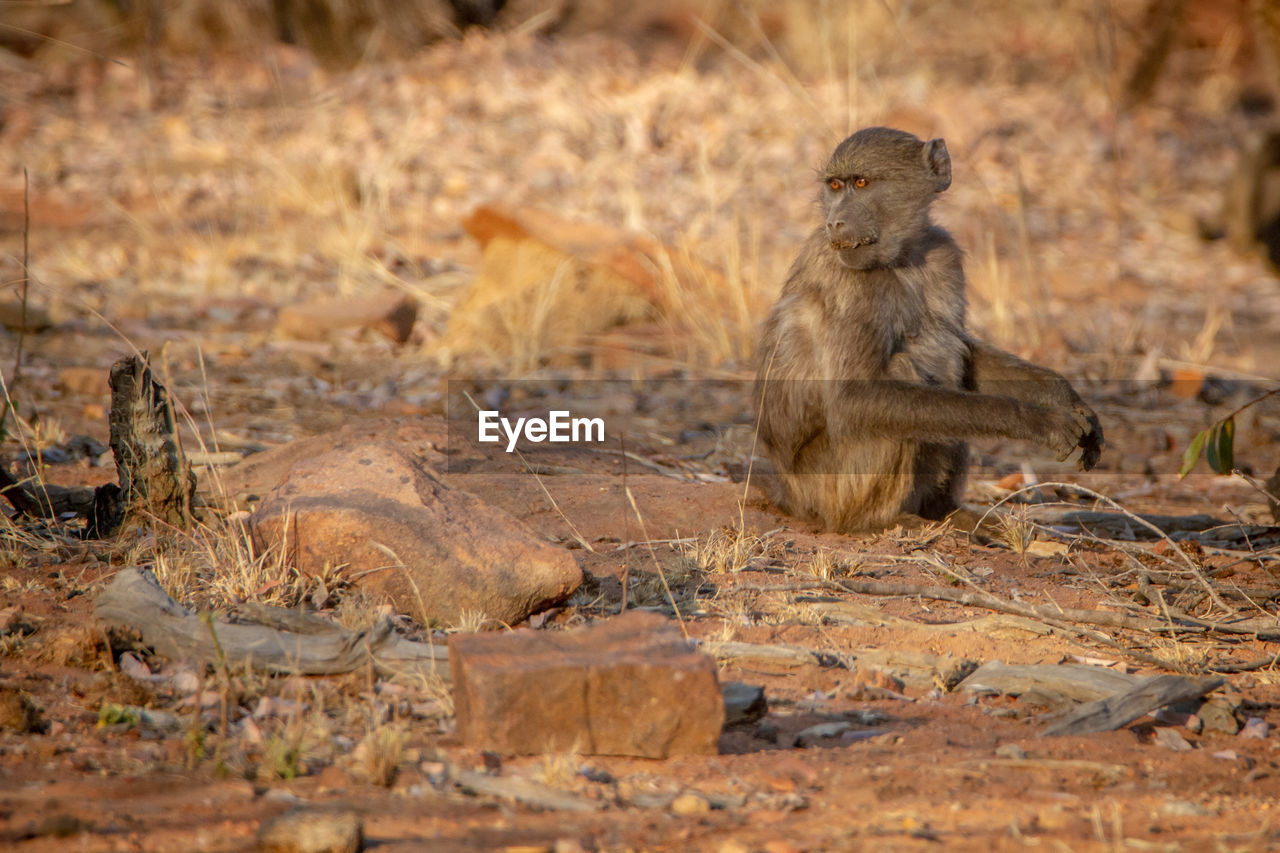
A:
<point x="1064" y="429"/>
<point x="1091" y="442"/>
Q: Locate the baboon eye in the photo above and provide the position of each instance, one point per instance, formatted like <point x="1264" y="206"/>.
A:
<point x="835" y="184"/>
<point x="860" y="183"/>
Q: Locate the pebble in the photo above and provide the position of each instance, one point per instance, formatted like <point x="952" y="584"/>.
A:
<point x="690" y="804"/>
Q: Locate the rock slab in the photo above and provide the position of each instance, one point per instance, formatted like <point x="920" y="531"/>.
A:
<point x="631" y="686"/>
<point x="389" y="314"/>
<point x="312" y="831"/>
<point x="382" y="516"/>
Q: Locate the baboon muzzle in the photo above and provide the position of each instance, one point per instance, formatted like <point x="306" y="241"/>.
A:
<point x="844" y="237"/>
<point x="851" y="224"/>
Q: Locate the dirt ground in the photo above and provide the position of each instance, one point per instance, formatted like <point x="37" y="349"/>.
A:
<point x="180" y="210"/>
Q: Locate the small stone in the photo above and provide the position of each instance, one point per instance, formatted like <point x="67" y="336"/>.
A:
<point x="779" y="846"/>
<point x="732" y="845"/>
<point x="1174" y="717"/>
<point x="391" y="315"/>
<point x="743" y="703"/>
<point x="813" y="734"/>
<point x="863" y="735"/>
<point x="17" y="712"/>
<point x="436" y="772"/>
<point x="690" y="804"/>
<point x="1011" y="751"/>
<point x="872" y="677"/>
<point x="332" y="778"/>
<point x="312" y="831"/>
<point x="1218" y="714"/>
<point x="1183" y="808"/>
<point x="1255" y="727"/>
<point x="31" y="319"/>
<point x="1170" y="739"/>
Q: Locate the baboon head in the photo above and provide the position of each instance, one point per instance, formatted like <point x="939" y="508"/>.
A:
<point x="876" y="191"/>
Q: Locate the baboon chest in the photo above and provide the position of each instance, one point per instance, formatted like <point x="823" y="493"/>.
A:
<point x="902" y="334"/>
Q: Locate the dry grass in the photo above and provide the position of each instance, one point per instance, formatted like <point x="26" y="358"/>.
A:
<point x="559" y="769"/>
<point x="471" y="621"/>
<point x="216" y="566"/>
<point x="713" y="158"/>
<point x="1015" y="530"/>
<point x="729" y="549"/>
<point x="381" y="753"/>
<point x="827" y="564"/>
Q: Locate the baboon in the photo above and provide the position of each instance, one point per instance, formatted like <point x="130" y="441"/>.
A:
<point x="868" y="382"/>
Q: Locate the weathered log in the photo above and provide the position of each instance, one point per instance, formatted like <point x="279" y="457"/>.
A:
<point x="1078" y="682"/>
<point x="920" y="669"/>
<point x="525" y="791"/>
<point x="1120" y="709"/>
<point x="291" y="643"/>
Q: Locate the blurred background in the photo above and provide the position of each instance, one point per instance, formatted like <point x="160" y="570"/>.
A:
<point x="311" y="209"/>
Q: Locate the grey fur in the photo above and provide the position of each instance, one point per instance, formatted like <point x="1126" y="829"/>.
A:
<point x="867" y="381"/>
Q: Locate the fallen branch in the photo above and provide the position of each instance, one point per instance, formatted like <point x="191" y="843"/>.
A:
<point x="1078" y="682"/>
<point x="525" y="791"/>
<point x="290" y="642"/>
<point x="1113" y="712"/>
<point x="920" y="668"/>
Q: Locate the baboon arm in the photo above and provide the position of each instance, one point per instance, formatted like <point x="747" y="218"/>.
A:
<point x="994" y="371"/>
<point x="887" y="408"/>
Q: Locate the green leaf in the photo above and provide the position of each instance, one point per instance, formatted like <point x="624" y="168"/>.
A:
<point x="1192" y="454"/>
<point x="1220" y="448"/>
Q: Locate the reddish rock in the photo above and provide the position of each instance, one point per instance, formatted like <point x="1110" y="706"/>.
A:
<point x="632" y="686"/>
<point x="423" y="438"/>
<point x="389" y="314"/>
<point x="380" y="512"/>
<point x="17" y="319"/>
<point x="547" y="285"/>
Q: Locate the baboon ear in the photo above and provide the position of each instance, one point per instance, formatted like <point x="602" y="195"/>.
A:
<point x="938" y="162"/>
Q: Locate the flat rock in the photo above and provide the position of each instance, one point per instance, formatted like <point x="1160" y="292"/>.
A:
<point x="389" y="314"/>
<point x="312" y="831"/>
<point x="381" y="513"/>
<point x="13" y="318"/>
<point x="743" y="703"/>
<point x="631" y="686"/>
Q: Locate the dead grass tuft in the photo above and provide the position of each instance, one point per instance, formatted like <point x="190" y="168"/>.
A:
<point x="215" y="566"/>
<point x="559" y="769"/>
<point x="1015" y="530"/>
<point x="729" y="549"/>
<point x="381" y="753"/>
<point x="827" y="564"/>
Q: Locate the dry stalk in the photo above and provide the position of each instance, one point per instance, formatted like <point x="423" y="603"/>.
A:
<point x="657" y="566"/>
